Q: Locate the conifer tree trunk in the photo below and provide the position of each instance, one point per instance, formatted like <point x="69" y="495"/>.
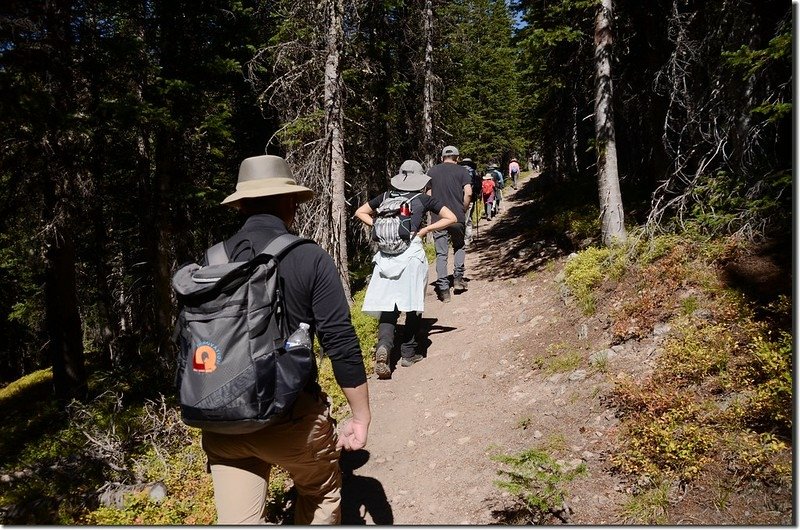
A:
<point x="612" y="215"/>
<point x="166" y="157"/>
<point x="335" y="136"/>
<point x="62" y="315"/>
<point x="427" y="106"/>
<point x="62" y="318"/>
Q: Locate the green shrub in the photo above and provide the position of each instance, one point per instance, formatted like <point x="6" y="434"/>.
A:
<point x="727" y="203"/>
<point x="430" y="252"/>
<point x="536" y="480"/>
<point x="580" y="221"/>
<point x="366" y="328"/>
<point x="769" y="371"/>
<point x="762" y="457"/>
<point x="585" y="271"/>
<point x="565" y="362"/>
<point x="689" y="305"/>
<point x="562" y="357"/>
<point x="721" y="390"/>
<point x="695" y="353"/>
<point x="672" y="443"/>
<point x="190" y="497"/>
<point x="648" y="507"/>
<point x="650" y="250"/>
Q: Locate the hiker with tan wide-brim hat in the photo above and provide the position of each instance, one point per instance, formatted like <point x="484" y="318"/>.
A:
<point x="265" y="176"/>
<point x="304" y="441"/>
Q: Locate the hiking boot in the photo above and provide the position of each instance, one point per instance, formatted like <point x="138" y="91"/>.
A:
<point x="459" y="284"/>
<point x="408" y="361"/>
<point x="443" y="295"/>
<point x="382" y="369"/>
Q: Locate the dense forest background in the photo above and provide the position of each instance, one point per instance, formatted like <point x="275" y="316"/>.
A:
<point x="124" y="124"/>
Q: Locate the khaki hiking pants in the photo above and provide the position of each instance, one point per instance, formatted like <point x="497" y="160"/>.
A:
<point x="305" y="446"/>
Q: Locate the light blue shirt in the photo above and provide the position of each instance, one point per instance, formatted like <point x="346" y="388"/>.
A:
<point x="398" y="280"/>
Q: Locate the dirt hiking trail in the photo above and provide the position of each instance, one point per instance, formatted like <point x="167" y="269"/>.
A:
<point x="477" y="393"/>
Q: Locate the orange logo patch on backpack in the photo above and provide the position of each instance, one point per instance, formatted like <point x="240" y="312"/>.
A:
<point x="206" y="358"/>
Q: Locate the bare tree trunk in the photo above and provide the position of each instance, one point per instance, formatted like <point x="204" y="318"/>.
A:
<point x="335" y="134"/>
<point x="612" y="215"/>
<point x="574" y="140"/>
<point x="427" y="105"/>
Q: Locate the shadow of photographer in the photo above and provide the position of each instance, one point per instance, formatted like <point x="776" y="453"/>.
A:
<point x="362" y="496"/>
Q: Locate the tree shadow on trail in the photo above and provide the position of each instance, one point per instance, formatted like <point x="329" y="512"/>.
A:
<point x="362" y="495"/>
<point x="550" y="218"/>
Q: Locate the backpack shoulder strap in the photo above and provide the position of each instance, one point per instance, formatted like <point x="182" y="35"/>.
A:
<point x="282" y="244"/>
<point x="217" y="255"/>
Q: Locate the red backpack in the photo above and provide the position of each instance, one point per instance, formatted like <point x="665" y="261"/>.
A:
<point x="487" y="186"/>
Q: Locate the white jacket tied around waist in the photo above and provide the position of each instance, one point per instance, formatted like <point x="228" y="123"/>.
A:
<point x="398" y="280"/>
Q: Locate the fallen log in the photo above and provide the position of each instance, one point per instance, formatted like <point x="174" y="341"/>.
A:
<point x="113" y="493"/>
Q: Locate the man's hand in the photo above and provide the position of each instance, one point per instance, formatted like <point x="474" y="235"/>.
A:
<point x="353" y="435"/>
<point x="353" y="432"/>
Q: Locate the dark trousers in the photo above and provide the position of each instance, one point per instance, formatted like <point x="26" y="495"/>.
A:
<point x="386" y="329"/>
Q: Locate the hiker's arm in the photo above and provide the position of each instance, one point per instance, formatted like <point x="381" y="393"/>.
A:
<point x="446" y="218"/>
<point x="467" y="196"/>
<point x="364" y="214"/>
<point x="353" y="434"/>
<point x="332" y="323"/>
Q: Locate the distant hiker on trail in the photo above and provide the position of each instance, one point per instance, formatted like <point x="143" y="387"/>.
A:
<point x="401" y="267"/>
<point x="452" y="185"/>
<point x="304" y="442"/>
<point x="497" y="175"/>
<point x="488" y="194"/>
<point x="476" y="193"/>
<point x="536" y="160"/>
<point x="513" y="172"/>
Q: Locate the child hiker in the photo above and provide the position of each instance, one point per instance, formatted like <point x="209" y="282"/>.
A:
<point x="488" y="193"/>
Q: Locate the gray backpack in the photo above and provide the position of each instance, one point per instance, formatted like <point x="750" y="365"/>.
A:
<point x="391" y="228"/>
<point x="235" y="374"/>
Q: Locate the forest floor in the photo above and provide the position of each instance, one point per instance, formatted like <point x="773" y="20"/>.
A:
<point x="479" y="392"/>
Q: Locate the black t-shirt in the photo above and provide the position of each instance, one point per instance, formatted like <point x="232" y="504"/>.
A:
<point x="447" y="185"/>
<point x="313" y="294"/>
<point x="420" y="204"/>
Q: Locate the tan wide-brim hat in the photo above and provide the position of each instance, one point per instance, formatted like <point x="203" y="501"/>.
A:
<point x="262" y="176"/>
<point x="488" y="176"/>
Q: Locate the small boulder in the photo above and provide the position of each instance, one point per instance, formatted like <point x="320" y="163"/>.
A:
<point x="661" y="329"/>
<point x="577" y="375"/>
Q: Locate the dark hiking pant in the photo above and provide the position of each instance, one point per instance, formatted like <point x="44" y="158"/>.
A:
<point x="386" y="331"/>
